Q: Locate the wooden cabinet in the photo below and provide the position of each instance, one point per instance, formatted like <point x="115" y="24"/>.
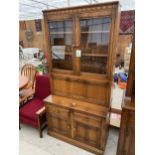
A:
<point x="126" y="142"/>
<point x="80" y="44"/>
<point x="80" y="123"/>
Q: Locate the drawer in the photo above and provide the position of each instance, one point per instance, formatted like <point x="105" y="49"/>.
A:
<point x="87" y="119"/>
<point x="58" y="112"/>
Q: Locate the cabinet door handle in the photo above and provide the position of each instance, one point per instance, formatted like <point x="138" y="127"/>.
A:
<point x="74" y="129"/>
<point x="73" y="104"/>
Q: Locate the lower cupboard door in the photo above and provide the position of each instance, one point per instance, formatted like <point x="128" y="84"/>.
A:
<point x="60" y="126"/>
<point x="87" y="134"/>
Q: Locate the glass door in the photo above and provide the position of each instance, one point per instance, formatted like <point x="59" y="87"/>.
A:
<point x="94" y="44"/>
<point x="61" y="44"/>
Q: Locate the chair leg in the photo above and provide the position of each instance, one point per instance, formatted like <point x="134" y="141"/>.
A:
<point x="40" y="133"/>
<point x="39" y="126"/>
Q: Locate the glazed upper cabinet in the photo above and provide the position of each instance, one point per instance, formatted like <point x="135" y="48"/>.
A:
<point x="91" y="45"/>
<point x="80" y="43"/>
<point x="93" y="49"/>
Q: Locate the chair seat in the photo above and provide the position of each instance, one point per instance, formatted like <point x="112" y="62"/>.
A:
<point x="28" y="112"/>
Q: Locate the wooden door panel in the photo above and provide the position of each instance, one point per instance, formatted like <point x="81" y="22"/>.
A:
<point x="97" y="92"/>
<point x="77" y="88"/>
<point x="60" y="126"/>
<point x="61" y="86"/>
<point x="58" y="120"/>
<point x="87" y="128"/>
<point x="86" y="134"/>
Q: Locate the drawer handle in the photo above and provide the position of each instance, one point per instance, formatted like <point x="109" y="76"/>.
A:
<point x="68" y="126"/>
<point x="73" y="104"/>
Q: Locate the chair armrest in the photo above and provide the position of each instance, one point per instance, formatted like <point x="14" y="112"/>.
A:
<point x="41" y="111"/>
<point x="25" y="94"/>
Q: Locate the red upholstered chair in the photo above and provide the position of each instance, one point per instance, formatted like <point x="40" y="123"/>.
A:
<point x="33" y="112"/>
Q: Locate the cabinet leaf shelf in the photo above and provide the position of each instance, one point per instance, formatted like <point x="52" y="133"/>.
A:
<point x="51" y="33"/>
<point x="89" y="54"/>
<point x="80" y="32"/>
<point x="95" y="54"/>
<point x="95" y="32"/>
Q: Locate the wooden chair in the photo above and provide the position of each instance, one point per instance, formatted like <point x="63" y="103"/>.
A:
<point x="30" y="71"/>
<point x="33" y="112"/>
<point x="25" y="94"/>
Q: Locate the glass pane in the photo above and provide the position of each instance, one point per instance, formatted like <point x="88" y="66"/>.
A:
<point x="95" y="35"/>
<point x="61" y="41"/>
<point x="93" y="64"/>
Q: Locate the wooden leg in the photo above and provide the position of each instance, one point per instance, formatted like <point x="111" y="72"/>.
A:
<point x="40" y="133"/>
<point x="39" y="126"/>
<point x="41" y="117"/>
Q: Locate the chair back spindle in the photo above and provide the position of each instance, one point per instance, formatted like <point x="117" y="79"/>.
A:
<point x="29" y="71"/>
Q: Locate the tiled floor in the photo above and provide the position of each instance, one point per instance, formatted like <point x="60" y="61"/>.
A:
<point x="31" y="144"/>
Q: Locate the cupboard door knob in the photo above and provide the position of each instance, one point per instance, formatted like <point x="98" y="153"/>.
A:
<point x="74" y="129"/>
<point x="73" y="104"/>
<point x="68" y="127"/>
